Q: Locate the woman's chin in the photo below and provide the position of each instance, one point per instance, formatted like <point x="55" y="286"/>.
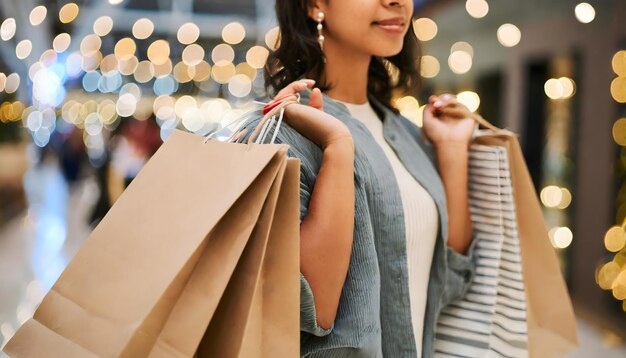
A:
<point x="388" y="51"/>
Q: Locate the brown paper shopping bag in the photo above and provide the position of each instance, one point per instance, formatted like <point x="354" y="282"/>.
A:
<point x="551" y="321"/>
<point x="186" y="246"/>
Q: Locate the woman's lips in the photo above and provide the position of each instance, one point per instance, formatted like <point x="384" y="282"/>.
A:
<point x="394" y="29"/>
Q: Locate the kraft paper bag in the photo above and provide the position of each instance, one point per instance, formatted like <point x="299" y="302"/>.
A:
<point x="205" y="238"/>
<point x="551" y="321"/>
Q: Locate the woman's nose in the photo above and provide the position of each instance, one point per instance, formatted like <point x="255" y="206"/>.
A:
<point x="394" y="2"/>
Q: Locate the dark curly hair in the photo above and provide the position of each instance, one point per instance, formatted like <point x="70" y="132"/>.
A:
<point x="299" y="53"/>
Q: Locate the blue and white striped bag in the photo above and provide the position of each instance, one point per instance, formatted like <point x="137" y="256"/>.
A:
<point x="490" y="320"/>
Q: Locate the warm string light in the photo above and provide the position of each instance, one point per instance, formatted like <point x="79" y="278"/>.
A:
<point x="611" y="275"/>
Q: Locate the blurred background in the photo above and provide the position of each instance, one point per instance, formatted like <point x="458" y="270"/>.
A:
<point x="90" y="89"/>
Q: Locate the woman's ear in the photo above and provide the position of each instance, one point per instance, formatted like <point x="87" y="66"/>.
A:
<point x="313" y="7"/>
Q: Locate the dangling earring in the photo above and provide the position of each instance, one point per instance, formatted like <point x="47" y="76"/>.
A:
<point x="320" y="37"/>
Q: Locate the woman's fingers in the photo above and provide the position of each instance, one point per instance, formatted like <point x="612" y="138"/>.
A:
<point x="455" y="112"/>
<point x="296" y="86"/>
<point x="316" y="100"/>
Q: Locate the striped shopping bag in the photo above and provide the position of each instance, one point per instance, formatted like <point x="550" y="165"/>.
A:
<point x="490" y="320"/>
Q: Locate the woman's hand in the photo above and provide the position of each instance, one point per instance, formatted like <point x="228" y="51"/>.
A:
<point x="316" y="95"/>
<point x="318" y="126"/>
<point x="447" y="121"/>
<point x="311" y="121"/>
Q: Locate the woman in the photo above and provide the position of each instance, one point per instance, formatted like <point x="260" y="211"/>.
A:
<point x="385" y="227"/>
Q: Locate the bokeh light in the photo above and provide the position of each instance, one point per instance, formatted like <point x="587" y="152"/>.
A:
<point x="429" y="66"/>
<point x="188" y="33"/>
<point x="584" y="12"/>
<point x="509" y="35"/>
<point x="233" y="33"/>
<point x="477" y="8"/>
<point x="143" y="28"/>
<point x="103" y="25"/>
<point x="68" y="12"/>
<point x="425" y="29"/>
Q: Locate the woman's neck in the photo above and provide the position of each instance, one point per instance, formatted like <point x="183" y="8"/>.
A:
<point x="347" y="71"/>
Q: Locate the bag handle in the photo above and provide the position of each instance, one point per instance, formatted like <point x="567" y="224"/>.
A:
<point x="267" y="121"/>
<point x="477" y="118"/>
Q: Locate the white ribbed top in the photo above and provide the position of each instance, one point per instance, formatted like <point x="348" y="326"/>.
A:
<point x="420" y="216"/>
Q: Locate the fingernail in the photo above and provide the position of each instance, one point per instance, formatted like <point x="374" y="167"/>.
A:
<point x="438" y="103"/>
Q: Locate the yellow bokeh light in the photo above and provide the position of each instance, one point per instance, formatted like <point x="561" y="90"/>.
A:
<point x="183" y="73"/>
<point x="607" y="275"/>
<point x="584" y="12"/>
<point x="615" y="239"/>
<point x="239" y="85"/>
<point x="257" y="56"/>
<point x="410" y="108"/>
<point x="48" y="57"/>
<point x="12" y="83"/>
<point x="193" y="54"/>
<point x="159" y="52"/>
<point x="568" y="87"/>
<point x="429" y="66"/>
<point x="470" y="99"/>
<point x="188" y="33"/>
<point x="163" y="107"/>
<point x="68" y="12"/>
<point x="509" y="35"/>
<point x="127" y="67"/>
<point x="61" y="42"/>
<point x="125" y="49"/>
<point x="222" y="53"/>
<point x="143" y="28"/>
<point x="460" y="62"/>
<point x="553" y="88"/>
<point x="107" y="111"/>
<point x="90" y="45"/>
<point x="7" y="29"/>
<point x="566" y="199"/>
<point x="163" y="69"/>
<point x="618" y="89"/>
<point x="37" y="15"/>
<point x="619" y="63"/>
<point x="477" y="8"/>
<point x="619" y="132"/>
<point x="272" y="38"/>
<point x="245" y="69"/>
<point x="551" y="196"/>
<point x="561" y="237"/>
<point x="92" y="61"/>
<point x="222" y="72"/>
<point x="233" y="33"/>
<point x="619" y="286"/>
<point x="425" y="29"/>
<point x="462" y="46"/>
<point x="103" y="25"/>
<point x="108" y="64"/>
<point x="203" y="71"/>
<point x="184" y="104"/>
<point x="144" y="72"/>
<point x="23" y="49"/>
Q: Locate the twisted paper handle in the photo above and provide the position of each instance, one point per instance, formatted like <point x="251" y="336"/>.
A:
<point x="294" y="98"/>
<point x="475" y="116"/>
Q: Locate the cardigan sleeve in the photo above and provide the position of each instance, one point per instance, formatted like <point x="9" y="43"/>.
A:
<point x="460" y="273"/>
<point x="308" y="314"/>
